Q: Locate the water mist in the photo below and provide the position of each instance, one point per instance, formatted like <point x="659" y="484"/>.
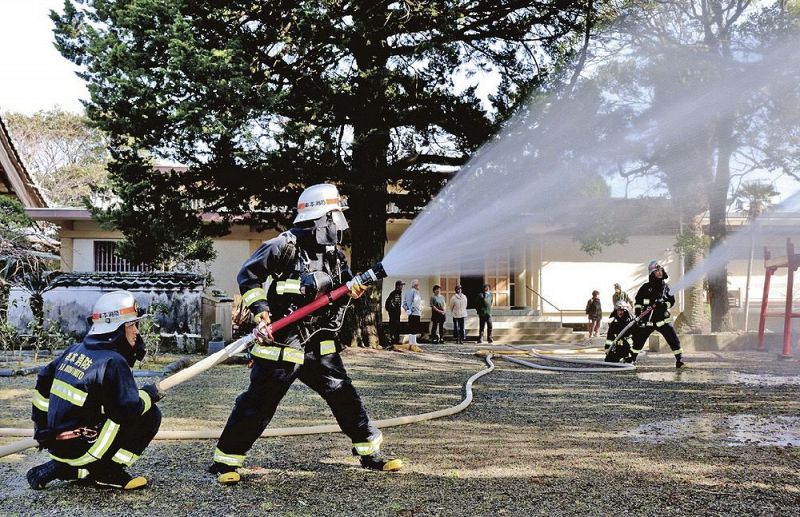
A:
<point x="549" y="168"/>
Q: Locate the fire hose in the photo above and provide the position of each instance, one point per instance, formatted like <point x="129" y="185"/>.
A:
<point x="238" y="346"/>
<point x="234" y="348"/>
<point x="323" y="300"/>
<point x="209" y="434"/>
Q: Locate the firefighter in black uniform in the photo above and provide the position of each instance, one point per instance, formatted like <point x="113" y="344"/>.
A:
<point x="620" y="318"/>
<point x="302" y="262"/>
<point x="87" y="410"/>
<point x="655" y="293"/>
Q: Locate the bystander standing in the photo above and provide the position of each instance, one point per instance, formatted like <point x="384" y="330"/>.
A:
<point x="458" y="308"/>
<point x="437" y="315"/>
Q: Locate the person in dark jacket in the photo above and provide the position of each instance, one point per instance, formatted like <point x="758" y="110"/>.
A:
<point x="483" y="306"/>
<point x="594" y="311"/>
<point x="619" y="347"/>
<point x="304" y="262"/>
<point x="393" y="305"/>
<point x="87" y="410"/>
<point x="655" y="293"/>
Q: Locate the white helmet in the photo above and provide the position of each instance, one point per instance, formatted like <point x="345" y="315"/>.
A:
<point x="622" y="304"/>
<point x="112" y="310"/>
<point x="318" y="200"/>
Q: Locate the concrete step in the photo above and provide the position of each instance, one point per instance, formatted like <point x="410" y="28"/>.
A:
<point x="542" y="325"/>
<point x="515" y="320"/>
<point x="542" y="338"/>
<point x="497" y="341"/>
<point x="508" y="333"/>
<point x="529" y="332"/>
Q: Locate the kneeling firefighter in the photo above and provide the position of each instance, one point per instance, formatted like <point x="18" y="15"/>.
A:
<point x="654" y="294"/>
<point x="87" y="410"/>
<point x="304" y="262"/>
<point x="618" y="347"/>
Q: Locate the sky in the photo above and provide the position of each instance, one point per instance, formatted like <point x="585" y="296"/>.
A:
<point x="33" y="75"/>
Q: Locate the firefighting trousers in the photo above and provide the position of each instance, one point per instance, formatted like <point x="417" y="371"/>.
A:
<point x="640" y="335"/>
<point x="270" y="379"/>
<point x="116" y="443"/>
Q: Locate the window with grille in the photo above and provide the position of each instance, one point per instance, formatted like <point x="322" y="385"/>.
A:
<point x="107" y="260"/>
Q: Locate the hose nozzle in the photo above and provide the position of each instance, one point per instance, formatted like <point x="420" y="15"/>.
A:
<point x="371" y="275"/>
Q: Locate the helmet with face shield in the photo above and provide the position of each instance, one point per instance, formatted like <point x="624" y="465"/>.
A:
<point x="323" y="205"/>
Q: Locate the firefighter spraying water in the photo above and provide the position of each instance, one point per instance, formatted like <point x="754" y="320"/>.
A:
<point x="306" y="265"/>
<point x="627" y="335"/>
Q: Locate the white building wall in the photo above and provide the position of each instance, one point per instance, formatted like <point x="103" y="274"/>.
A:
<point x="231" y="255"/>
<point x="569" y="275"/>
<point x="83" y="254"/>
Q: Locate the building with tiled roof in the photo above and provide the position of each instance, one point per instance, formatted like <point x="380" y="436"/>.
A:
<point x="15" y="180"/>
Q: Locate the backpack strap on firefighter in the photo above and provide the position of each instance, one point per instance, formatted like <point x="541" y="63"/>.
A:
<point x="288" y="252"/>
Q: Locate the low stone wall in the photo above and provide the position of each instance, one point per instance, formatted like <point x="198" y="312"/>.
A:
<point x="71" y="306"/>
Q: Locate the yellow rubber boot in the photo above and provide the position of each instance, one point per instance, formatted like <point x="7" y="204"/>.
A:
<point x="379" y="461"/>
<point x="226" y="474"/>
<point x="135" y="483"/>
<point x="229" y="478"/>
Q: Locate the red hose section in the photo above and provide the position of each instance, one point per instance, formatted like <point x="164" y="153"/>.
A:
<point x="305" y="310"/>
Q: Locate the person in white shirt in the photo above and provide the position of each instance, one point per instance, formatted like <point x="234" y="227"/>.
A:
<point x="458" y="308"/>
<point x="412" y="304"/>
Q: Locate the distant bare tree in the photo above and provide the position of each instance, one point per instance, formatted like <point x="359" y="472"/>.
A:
<point x="63" y="152"/>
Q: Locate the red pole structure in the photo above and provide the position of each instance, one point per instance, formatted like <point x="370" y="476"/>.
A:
<point x="762" y="318"/>
<point x="787" y="317"/>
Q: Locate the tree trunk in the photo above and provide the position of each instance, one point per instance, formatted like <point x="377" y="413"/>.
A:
<point x="717" y="208"/>
<point x="694" y="318"/>
<point x="368" y="229"/>
<point x="371" y="145"/>
<point x="4" y="296"/>
<point x="37" y="308"/>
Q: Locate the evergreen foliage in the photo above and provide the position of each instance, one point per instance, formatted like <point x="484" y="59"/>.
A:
<point x="261" y="99"/>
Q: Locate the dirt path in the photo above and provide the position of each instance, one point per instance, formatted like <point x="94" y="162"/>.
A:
<point x="655" y="442"/>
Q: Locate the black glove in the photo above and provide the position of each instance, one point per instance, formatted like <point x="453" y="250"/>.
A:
<point x="154" y="391"/>
<point x="44" y="437"/>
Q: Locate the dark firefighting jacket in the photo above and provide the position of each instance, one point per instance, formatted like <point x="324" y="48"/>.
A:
<point x="299" y="269"/>
<point x="615" y="326"/>
<point x="655" y="290"/>
<point x="89" y="386"/>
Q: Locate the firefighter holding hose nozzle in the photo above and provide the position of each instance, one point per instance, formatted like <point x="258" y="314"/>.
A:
<point x="304" y="263"/>
<point x="618" y="342"/>
<point x="87" y="410"/>
<point x="655" y="293"/>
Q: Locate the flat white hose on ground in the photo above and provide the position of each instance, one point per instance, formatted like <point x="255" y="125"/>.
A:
<point x="592" y="369"/>
<point x="550" y="355"/>
<point x="592" y="366"/>
<point x="241" y="344"/>
<point x="209" y="434"/>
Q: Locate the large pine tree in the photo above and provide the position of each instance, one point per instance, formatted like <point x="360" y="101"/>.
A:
<point x="260" y="99"/>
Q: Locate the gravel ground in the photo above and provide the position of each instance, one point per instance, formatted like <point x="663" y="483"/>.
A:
<point x="654" y="442"/>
